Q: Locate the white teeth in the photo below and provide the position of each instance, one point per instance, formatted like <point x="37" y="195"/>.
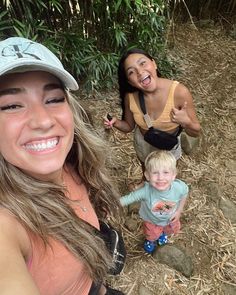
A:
<point x="42" y="146"/>
<point x="145" y="77"/>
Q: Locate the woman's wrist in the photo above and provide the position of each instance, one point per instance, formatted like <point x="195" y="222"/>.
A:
<point x="187" y="124"/>
<point x="116" y="122"/>
<point x="193" y="129"/>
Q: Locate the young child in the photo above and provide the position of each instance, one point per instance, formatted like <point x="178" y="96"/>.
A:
<point x="162" y="199"/>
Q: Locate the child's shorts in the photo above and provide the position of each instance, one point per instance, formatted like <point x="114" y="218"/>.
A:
<point x="152" y="231"/>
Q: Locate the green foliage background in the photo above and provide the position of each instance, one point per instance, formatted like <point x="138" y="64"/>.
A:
<point x="90" y="35"/>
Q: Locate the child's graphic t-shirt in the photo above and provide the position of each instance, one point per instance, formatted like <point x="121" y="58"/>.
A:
<point x="157" y="207"/>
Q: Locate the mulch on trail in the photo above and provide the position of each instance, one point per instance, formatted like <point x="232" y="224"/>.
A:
<point x="207" y="60"/>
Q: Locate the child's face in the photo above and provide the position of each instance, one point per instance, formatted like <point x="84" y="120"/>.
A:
<point x="160" y="179"/>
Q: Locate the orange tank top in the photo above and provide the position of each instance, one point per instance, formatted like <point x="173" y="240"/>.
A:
<point x="57" y="271"/>
<point x="163" y="122"/>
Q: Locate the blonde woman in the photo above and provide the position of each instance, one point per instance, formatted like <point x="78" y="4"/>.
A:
<point x="53" y="183"/>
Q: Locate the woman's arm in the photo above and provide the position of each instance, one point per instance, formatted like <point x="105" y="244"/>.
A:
<point x="126" y="125"/>
<point x="184" y="112"/>
<point x="14" y="275"/>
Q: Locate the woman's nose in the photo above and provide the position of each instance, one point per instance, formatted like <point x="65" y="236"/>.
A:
<point x="139" y="70"/>
<point x="40" y="118"/>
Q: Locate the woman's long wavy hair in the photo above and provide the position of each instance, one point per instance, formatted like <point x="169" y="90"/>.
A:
<point x="124" y="86"/>
<point x="43" y="209"/>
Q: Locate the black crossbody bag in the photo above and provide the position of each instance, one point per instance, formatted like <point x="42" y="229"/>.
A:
<point x="158" y="138"/>
<point x="115" y="245"/>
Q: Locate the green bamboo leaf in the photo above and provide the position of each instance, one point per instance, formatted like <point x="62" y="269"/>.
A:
<point x="117" y="5"/>
<point x="138" y="2"/>
<point x="56" y="4"/>
<point x="18" y="32"/>
<point x="2" y="14"/>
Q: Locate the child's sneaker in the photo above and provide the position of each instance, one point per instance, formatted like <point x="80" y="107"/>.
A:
<point x="162" y="240"/>
<point x="149" y="246"/>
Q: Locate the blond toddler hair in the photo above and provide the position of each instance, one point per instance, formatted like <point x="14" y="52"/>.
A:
<point x="160" y="159"/>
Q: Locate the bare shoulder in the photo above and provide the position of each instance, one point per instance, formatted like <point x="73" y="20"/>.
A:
<point x="182" y="94"/>
<point x="14" y="275"/>
<point x="12" y="233"/>
<point x="182" y="90"/>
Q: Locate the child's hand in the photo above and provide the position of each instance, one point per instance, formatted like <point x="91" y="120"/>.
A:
<point x="176" y="216"/>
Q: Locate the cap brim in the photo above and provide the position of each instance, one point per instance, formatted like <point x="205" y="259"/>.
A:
<point x="22" y="65"/>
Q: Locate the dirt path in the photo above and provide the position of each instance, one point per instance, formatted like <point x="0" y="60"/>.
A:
<point x="207" y="59"/>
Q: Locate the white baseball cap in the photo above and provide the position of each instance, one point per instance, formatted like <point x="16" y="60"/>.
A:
<point x="19" y="54"/>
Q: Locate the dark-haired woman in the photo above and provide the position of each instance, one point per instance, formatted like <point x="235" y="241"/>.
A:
<point x="169" y="103"/>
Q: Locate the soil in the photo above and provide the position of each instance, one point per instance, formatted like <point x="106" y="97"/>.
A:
<point x="206" y="59"/>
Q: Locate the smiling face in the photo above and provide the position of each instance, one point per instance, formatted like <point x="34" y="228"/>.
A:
<point x="141" y="71"/>
<point x="161" y="178"/>
<point x="36" y="124"/>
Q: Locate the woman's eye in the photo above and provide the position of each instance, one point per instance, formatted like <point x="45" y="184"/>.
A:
<point x="56" y="100"/>
<point x="10" y="107"/>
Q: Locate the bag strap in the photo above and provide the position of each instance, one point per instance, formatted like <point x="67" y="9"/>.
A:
<point x="147" y="118"/>
<point x="142" y="102"/>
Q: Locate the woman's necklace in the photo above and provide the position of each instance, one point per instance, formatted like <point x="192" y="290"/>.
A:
<point x="68" y="179"/>
<point x="83" y="208"/>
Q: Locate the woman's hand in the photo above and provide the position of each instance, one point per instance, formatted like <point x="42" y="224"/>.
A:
<point x="108" y="123"/>
<point x="126" y="125"/>
<point x="180" y="116"/>
<point x="184" y="111"/>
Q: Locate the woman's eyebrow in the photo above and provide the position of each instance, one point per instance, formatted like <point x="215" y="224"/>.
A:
<point x="52" y="86"/>
<point x="131" y="67"/>
<point x="15" y="90"/>
<point x="137" y="61"/>
<point x="9" y="91"/>
<point x="141" y="59"/>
